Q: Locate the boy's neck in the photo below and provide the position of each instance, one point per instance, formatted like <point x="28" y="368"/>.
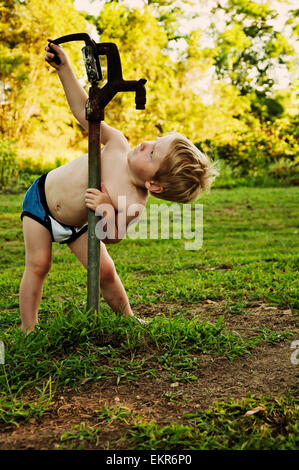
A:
<point x="139" y="184"/>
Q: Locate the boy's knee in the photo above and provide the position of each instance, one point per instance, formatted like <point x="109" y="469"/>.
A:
<point x="40" y="266"/>
<point x="107" y="273"/>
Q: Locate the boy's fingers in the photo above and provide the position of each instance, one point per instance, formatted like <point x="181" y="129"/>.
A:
<point x="56" y="47"/>
<point x="92" y="191"/>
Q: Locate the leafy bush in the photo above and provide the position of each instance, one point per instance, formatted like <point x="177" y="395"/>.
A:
<point x="285" y="169"/>
<point x="17" y="175"/>
<point x="9" y="167"/>
<point x="251" y="153"/>
<point x="282" y="173"/>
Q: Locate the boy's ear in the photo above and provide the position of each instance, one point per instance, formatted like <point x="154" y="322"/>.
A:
<point x="154" y="186"/>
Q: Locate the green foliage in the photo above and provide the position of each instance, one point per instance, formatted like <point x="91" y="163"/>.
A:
<point x="250" y="46"/>
<point x="282" y="173"/>
<point x="80" y="432"/>
<point x="253" y="423"/>
<point x="246" y="54"/>
<point x="270" y="425"/>
<point x="195" y="335"/>
<point x="112" y="414"/>
<point x="35" y="114"/>
<point x="9" y="167"/>
<point x="236" y="111"/>
<point x="284" y="170"/>
<point x="253" y="151"/>
<point x="13" y="410"/>
<point x="127" y="27"/>
<point x="250" y="258"/>
<point x="71" y="345"/>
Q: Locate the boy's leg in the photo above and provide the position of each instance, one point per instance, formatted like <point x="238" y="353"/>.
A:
<point x="111" y="286"/>
<point x="38" y="246"/>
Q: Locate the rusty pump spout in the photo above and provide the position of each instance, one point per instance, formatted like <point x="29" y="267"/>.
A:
<point x="95" y="105"/>
<point x="115" y="82"/>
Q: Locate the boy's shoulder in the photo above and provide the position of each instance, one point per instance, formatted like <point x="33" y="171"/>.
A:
<point x="113" y="137"/>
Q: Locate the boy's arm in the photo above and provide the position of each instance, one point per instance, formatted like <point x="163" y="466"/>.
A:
<point x="114" y="224"/>
<point x="121" y="225"/>
<point x="75" y="94"/>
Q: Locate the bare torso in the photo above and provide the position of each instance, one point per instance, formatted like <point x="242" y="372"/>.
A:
<point x="65" y="186"/>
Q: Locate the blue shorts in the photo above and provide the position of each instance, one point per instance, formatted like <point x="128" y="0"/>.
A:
<point x="35" y="206"/>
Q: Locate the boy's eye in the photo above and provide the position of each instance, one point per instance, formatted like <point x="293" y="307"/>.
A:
<point x="152" y="153"/>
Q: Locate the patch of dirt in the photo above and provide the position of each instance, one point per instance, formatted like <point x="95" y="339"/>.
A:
<point x="268" y="370"/>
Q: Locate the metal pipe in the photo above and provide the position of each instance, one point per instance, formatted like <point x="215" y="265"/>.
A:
<point x="94" y="178"/>
<point x="98" y="99"/>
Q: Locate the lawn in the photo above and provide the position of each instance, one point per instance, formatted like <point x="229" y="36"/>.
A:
<point x="215" y="366"/>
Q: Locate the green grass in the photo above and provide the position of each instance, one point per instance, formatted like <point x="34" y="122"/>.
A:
<point x="249" y="252"/>
<point x="249" y="424"/>
<point x="80" y="432"/>
<point x="74" y="347"/>
<point x="226" y="426"/>
<point x="14" y="411"/>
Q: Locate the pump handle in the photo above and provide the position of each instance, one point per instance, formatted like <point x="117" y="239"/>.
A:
<point x="68" y="38"/>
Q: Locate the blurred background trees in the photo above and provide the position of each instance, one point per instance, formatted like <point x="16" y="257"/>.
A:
<point x="32" y="104"/>
<point x="219" y="84"/>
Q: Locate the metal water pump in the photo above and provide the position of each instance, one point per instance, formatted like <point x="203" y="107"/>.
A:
<point x="98" y="99"/>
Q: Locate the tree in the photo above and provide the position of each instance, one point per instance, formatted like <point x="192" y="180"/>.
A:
<point x="174" y="101"/>
<point x="250" y="46"/>
<point x="166" y="12"/>
<point x="249" y="50"/>
<point x="33" y="97"/>
<point x="221" y="97"/>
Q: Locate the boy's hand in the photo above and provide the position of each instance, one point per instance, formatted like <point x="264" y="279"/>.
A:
<point x="49" y="57"/>
<point x="95" y="197"/>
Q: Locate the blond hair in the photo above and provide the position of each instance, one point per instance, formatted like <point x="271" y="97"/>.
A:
<point x="185" y="171"/>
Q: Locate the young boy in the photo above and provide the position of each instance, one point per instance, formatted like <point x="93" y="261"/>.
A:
<point x="55" y="207"/>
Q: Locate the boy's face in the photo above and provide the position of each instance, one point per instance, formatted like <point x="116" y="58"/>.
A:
<point x="145" y="159"/>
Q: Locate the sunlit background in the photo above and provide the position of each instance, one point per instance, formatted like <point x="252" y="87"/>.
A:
<point x="223" y="73"/>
